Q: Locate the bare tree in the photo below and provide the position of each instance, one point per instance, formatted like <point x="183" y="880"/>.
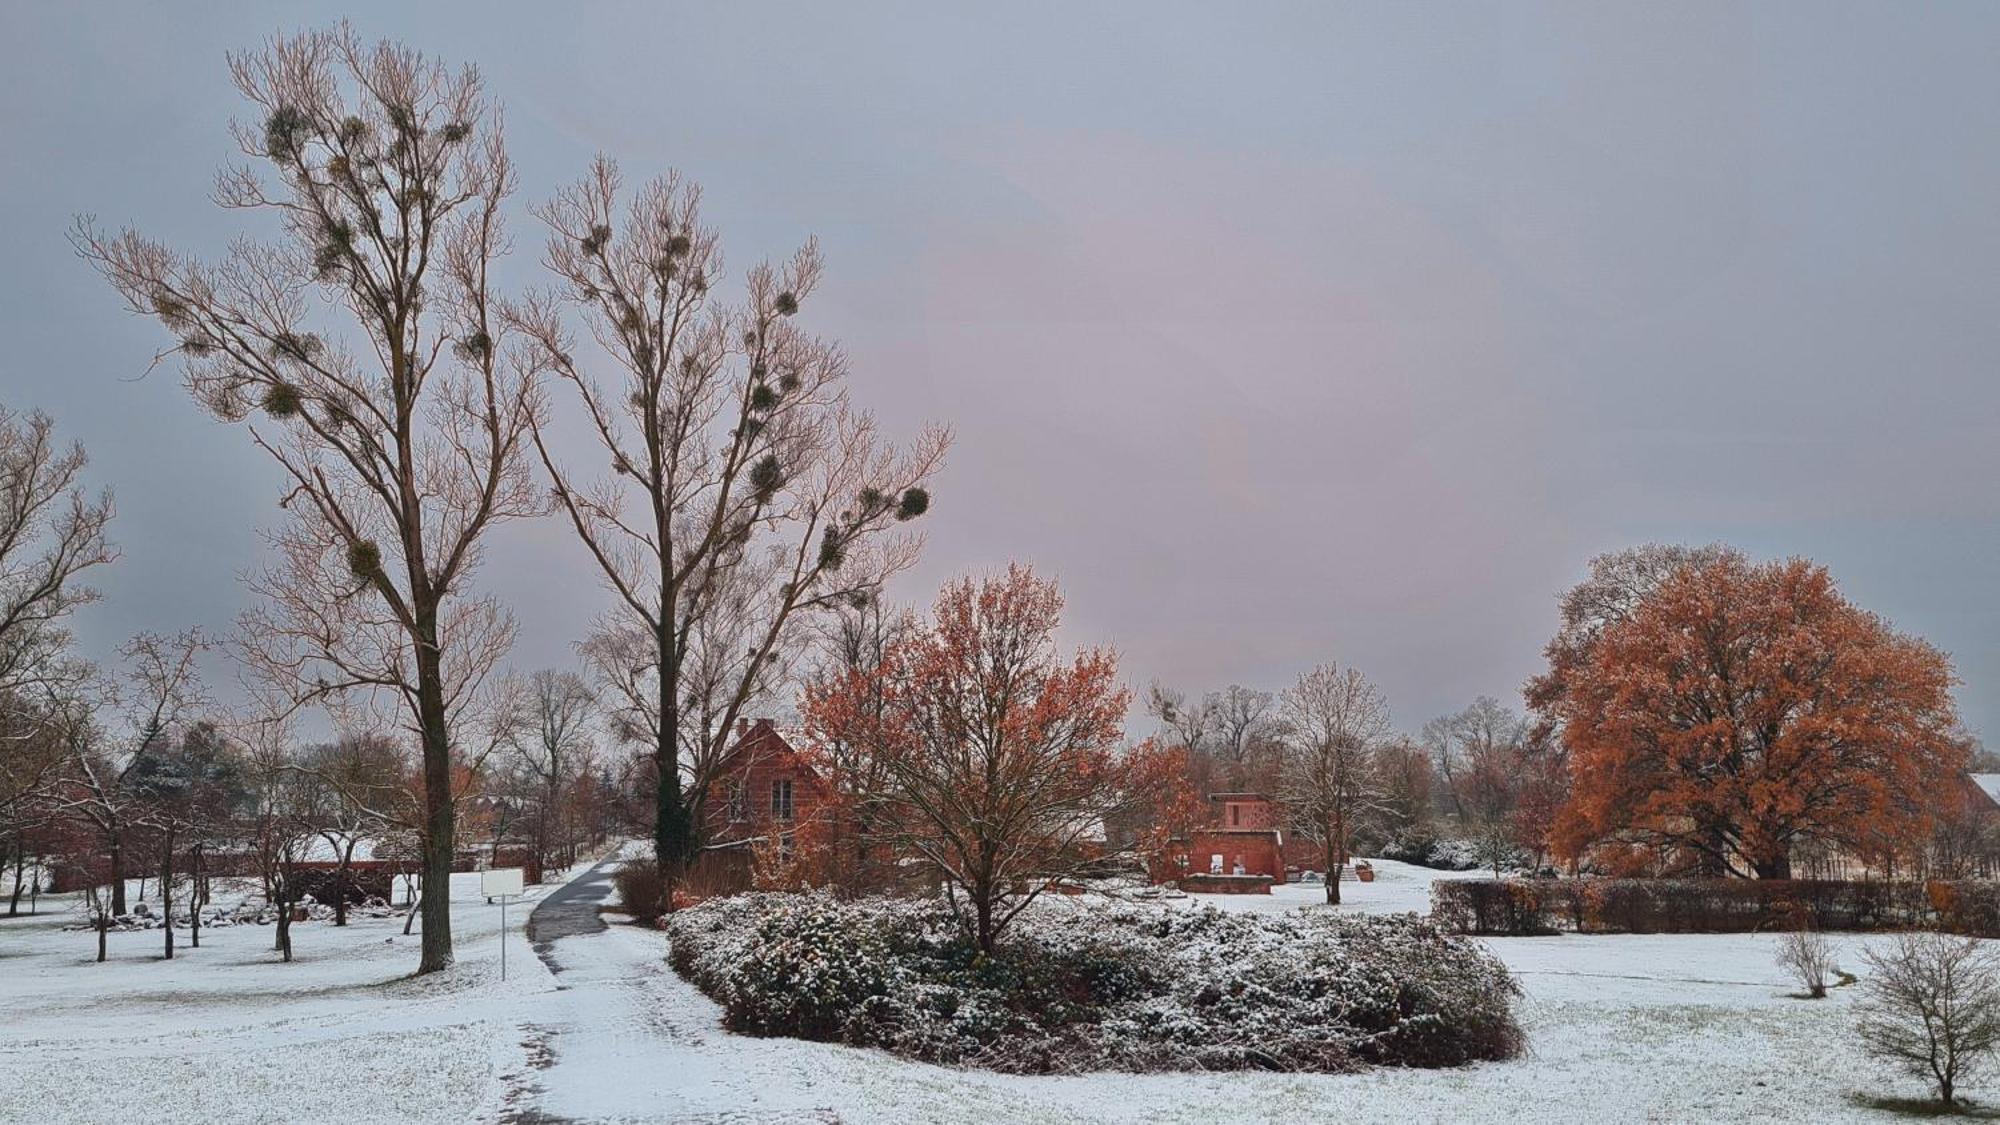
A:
<point x="551" y="738"/>
<point x="51" y="532"/>
<point x="743" y="490"/>
<point x="1805" y="954"/>
<point x="1243" y="720"/>
<point x="279" y="825"/>
<point x="1932" y="1008"/>
<point x="161" y="690"/>
<point x="854" y="820"/>
<point x="189" y="790"/>
<point x="350" y="786"/>
<point x="1188" y="724"/>
<point x="1404" y="781"/>
<point x="32" y="758"/>
<point x="1439" y="739"/>
<point x="1334" y="720"/>
<point x="403" y="443"/>
<point x="1478" y="753"/>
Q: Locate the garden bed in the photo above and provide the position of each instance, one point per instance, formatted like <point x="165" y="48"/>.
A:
<point x="1075" y="986"/>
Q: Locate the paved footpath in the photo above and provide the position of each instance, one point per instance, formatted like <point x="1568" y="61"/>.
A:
<point x="571" y="911"/>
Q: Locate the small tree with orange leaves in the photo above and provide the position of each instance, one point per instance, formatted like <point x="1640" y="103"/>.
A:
<point x="1165" y="805"/>
<point x="997" y="756"/>
<point x="1740" y="710"/>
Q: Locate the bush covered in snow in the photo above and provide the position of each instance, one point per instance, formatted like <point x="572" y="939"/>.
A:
<point x="1076" y="987"/>
<point x="1441" y="855"/>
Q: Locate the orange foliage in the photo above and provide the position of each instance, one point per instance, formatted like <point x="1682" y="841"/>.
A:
<point x="1165" y="803"/>
<point x="989" y="755"/>
<point x="1740" y="710"/>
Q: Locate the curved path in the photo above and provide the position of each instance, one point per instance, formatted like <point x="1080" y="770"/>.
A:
<point x="570" y="911"/>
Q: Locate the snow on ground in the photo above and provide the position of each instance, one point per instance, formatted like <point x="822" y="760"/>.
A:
<point x="228" y="1032"/>
<point x="1666" y="1028"/>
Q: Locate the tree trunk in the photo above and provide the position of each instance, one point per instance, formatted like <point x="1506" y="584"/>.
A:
<point x="194" y="898"/>
<point x="1334" y="863"/>
<point x="20" y="869"/>
<point x="673" y="827"/>
<point x="117" y="874"/>
<point x="1779" y="868"/>
<point x="438" y="811"/>
<point x="983" y="907"/>
<point x="340" y="884"/>
<point x="167" y="894"/>
<point x="284" y="939"/>
<point x="103" y="930"/>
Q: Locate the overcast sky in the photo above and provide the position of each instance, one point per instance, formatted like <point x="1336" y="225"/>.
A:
<point x="1323" y="332"/>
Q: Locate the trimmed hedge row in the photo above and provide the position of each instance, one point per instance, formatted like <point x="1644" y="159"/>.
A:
<point x="1665" y="906"/>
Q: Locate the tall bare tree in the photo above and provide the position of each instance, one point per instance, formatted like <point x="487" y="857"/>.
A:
<point x="743" y="490"/>
<point x="551" y="739"/>
<point x="1334" y="721"/>
<point x="51" y="532"/>
<point x="402" y="442"/>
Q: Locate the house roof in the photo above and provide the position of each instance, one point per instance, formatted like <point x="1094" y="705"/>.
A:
<point x="772" y="741"/>
<point x="1988" y="783"/>
<point x="1238" y="797"/>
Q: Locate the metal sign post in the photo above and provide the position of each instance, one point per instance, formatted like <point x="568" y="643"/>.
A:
<point x="502" y="883"/>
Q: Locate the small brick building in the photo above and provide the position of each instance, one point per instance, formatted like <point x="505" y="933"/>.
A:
<point x="1243" y="852"/>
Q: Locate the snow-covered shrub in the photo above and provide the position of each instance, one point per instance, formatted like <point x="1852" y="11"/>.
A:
<point x="1442" y="855"/>
<point x="1088" y="986"/>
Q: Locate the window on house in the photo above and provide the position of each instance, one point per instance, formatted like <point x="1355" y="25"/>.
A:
<point x="739" y="802"/>
<point x="1235" y="815"/>
<point x="781" y="798"/>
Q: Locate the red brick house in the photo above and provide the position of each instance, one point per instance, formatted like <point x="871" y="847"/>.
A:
<point x="763" y="789"/>
<point x="1243" y="852"/>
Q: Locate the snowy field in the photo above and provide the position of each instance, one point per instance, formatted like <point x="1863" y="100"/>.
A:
<point x="1667" y="1028"/>
<point x="227" y="1032"/>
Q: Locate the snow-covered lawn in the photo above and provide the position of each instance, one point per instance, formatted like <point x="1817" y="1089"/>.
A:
<point x="228" y="1032"/>
<point x="1670" y="1028"/>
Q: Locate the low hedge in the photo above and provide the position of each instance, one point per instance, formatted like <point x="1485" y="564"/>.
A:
<point x="1075" y="987"/>
<point x="1663" y="906"/>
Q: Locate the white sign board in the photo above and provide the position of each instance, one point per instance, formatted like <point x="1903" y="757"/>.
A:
<point x="497" y="881"/>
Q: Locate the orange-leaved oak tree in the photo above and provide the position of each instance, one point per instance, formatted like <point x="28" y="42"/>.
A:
<point x="1738" y="711"/>
<point x="998" y="756"/>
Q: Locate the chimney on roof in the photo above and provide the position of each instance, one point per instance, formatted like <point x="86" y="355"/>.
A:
<point x="742" y="727"/>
